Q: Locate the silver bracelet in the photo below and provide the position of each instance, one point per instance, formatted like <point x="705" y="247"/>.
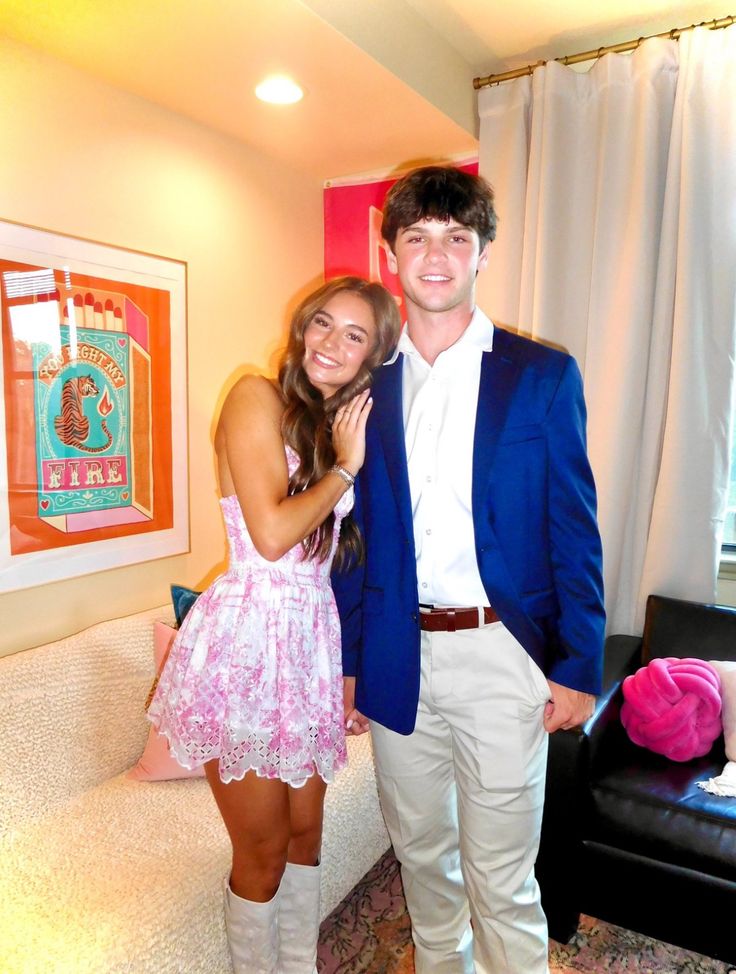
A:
<point x="343" y="474"/>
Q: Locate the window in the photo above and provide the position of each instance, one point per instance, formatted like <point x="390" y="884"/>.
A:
<point x="729" y="532"/>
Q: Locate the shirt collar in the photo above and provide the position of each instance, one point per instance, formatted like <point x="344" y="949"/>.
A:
<point x="478" y="335"/>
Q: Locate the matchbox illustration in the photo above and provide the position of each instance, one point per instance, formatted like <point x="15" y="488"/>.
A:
<point x="93" y="418"/>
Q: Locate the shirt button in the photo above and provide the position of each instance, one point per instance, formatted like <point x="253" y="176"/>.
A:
<point x="424" y="584"/>
<point x="428" y="531"/>
<point x="429" y="480"/>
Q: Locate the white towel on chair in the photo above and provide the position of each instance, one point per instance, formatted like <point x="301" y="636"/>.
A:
<point x="724" y="784"/>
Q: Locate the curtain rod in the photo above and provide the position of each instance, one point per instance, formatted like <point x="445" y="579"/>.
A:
<point x="495" y="79"/>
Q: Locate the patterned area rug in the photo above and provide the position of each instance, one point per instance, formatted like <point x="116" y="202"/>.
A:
<point x="369" y="932"/>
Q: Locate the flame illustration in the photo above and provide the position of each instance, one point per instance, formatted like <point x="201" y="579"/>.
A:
<point x="105" y="406"/>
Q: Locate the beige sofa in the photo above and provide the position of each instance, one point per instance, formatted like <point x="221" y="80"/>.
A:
<point x="103" y="874"/>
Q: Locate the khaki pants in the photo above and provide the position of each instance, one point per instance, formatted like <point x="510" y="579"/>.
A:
<point x="462" y="797"/>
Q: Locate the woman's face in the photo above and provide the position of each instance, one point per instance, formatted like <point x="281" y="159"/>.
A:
<point x="337" y="341"/>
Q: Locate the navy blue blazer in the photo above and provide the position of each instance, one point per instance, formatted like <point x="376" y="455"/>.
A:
<point x="536" y="536"/>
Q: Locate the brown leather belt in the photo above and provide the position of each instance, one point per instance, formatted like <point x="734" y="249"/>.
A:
<point x="449" y="620"/>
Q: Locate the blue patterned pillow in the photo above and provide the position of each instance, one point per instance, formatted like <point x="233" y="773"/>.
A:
<point x="183" y="599"/>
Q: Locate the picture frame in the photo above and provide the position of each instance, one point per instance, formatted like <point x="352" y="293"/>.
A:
<point x="93" y="407"/>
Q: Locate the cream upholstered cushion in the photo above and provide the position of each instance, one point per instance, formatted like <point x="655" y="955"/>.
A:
<point x="71" y="712"/>
<point x="727" y="672"/>
<point x="104" y="875"/>
<point x="128" y="876"/>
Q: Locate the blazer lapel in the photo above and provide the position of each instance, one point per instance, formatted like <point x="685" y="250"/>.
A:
<point x="499" y="376"/>
<point x="388" y="416"/>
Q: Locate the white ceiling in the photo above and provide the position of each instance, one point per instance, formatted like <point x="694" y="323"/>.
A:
<point x="496" y="36"/>
<point x="387" y="81"/>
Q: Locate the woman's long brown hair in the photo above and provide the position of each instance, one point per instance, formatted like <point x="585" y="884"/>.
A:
<point x="307" y="421"/>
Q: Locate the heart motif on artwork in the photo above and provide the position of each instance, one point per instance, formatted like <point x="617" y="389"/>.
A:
<point x="121" y="342"/>
<point x="45" y="504"/>
<point x="125" y="495"/>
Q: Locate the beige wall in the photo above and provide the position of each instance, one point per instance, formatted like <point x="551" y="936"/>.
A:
<point x="82" y="158"/>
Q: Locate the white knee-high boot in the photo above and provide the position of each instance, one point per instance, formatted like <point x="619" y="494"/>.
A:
<point x="299" y="919"/>
<point x="252" y="933"/>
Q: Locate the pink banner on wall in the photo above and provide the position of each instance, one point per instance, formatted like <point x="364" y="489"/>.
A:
<point x="353" y="213"/>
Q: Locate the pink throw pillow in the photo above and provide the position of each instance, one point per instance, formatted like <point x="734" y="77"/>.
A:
<point x="673" y="707"/>
<point x="726" y="669"/>
<point x="156" y="764"/>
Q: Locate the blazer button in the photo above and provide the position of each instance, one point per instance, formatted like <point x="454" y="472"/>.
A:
<point x="413" y="617"/>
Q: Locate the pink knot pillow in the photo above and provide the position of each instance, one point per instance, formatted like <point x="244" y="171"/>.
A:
<point x="673" y="706"/>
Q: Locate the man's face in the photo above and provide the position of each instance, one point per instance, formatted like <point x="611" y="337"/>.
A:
<point x="437" y="264"/>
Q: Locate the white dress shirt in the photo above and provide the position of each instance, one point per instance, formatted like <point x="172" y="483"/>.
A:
<point x="440" y="403"/>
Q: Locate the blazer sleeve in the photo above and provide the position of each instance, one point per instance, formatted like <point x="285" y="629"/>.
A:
<point x="575" y="544"/>
<point x="347" y="585"/>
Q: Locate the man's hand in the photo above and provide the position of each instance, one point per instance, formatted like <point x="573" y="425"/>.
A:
<point x="355" y="722"/>
<point x="567" y="708"/>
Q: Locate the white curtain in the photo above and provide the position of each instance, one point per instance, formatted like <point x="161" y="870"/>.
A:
<point x="616" y="194"/>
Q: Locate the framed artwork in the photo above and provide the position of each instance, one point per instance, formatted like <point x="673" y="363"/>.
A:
<point x="93" y="410"/>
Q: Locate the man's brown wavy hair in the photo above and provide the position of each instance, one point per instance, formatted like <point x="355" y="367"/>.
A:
<point x="441" y="193"/>
<point x="307" y="421"/>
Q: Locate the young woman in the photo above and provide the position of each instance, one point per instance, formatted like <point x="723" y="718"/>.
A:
<point x="253" y="685"/>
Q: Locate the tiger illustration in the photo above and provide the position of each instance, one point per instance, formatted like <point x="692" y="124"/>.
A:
<point x="72" y="426"/>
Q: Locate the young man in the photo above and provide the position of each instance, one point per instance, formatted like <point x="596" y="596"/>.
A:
<point x="475" y="625"/>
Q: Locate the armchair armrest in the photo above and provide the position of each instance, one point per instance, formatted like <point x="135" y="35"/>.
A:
<point x="622" y="657"/>
<point x="570" y="752"/>
<point x="567" y="793"/>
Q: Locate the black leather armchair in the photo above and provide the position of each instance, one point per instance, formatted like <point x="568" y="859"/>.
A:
<point x="627" y="836"/>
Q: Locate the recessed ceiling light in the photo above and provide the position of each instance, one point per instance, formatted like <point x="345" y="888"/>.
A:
<point x="279" y="90"/>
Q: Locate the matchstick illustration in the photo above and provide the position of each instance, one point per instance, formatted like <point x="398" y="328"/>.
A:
<point x="92" y="405"/>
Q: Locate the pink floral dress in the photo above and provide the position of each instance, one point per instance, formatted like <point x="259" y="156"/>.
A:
<point x="254" y="676"/>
